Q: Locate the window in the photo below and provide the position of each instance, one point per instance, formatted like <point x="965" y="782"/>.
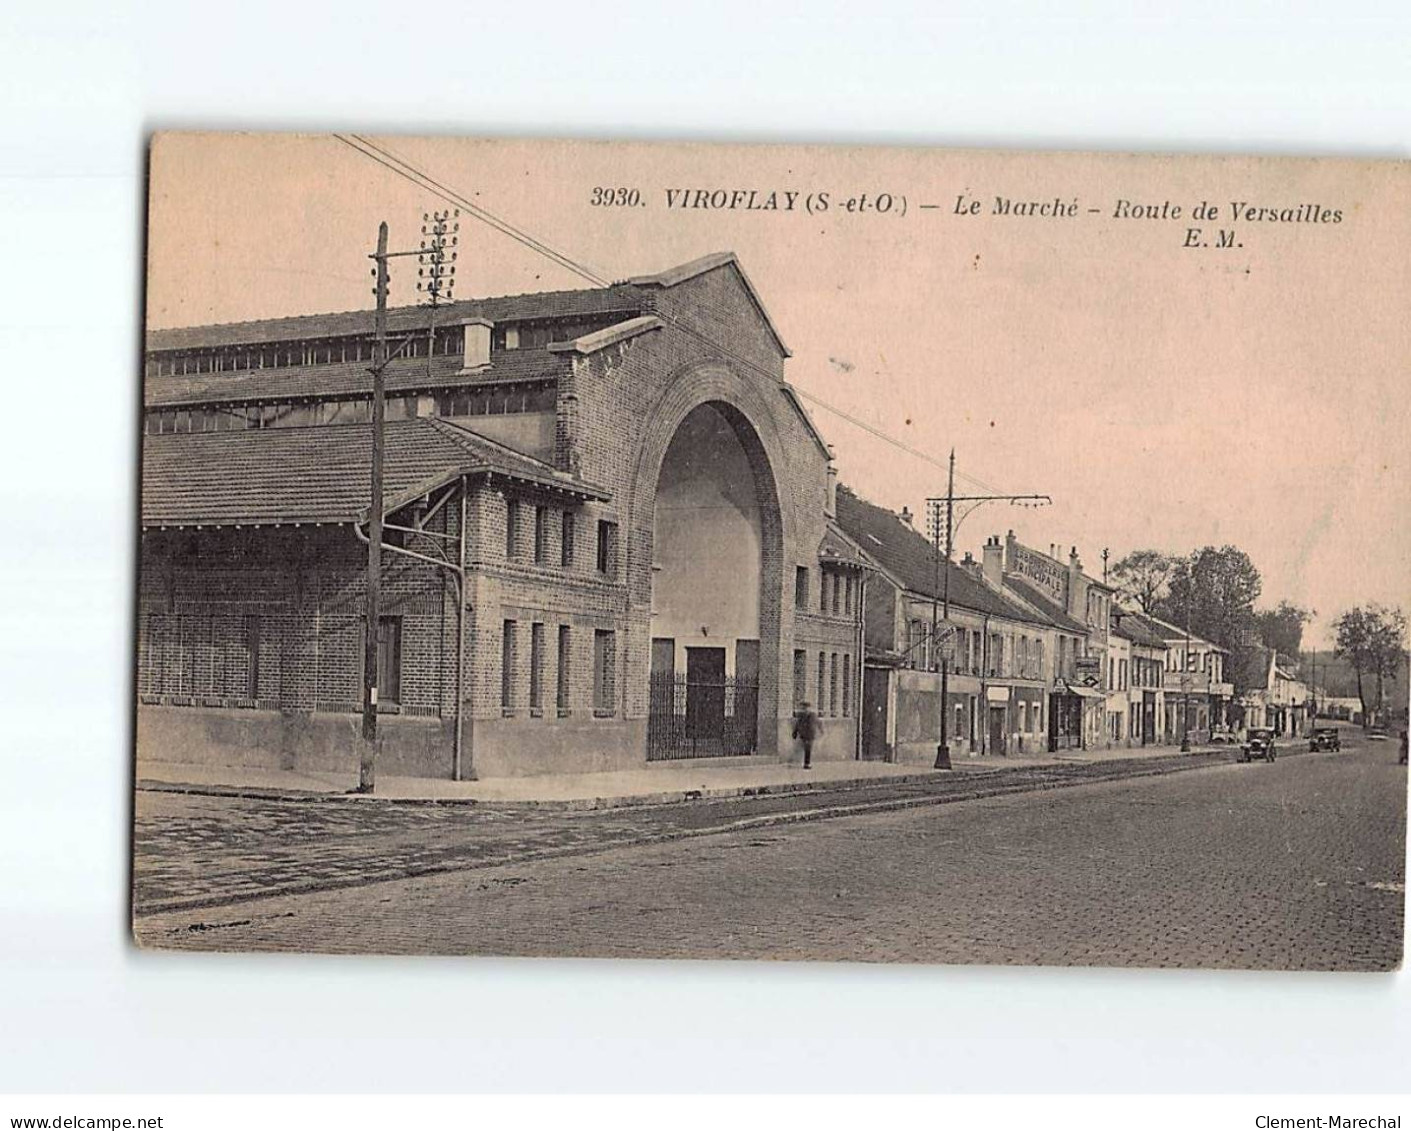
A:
<point x="252" y="649"/>
<point x="566" y="545"/>
<point x="389" y="659"/>
<point x="801" y="587"/>
<point x="822" y="681"/>
<point x="607" y="548"/>
<point x="604" y="671"/>
<point x="915" y="645"/>
<point x="536" y="669"/>
<point x="847" y="594"/>
<point x="541" y="535"/>
<point x="837" y="596"/>
<point x="511" y="529"/>
<point x="847" y="685"/>
<point x="507" y="664"/>
<point x="833" y="685"/>
<point x="823" y="580"/>
<point x="565" y="651"/>
<point x="800" y="676"/>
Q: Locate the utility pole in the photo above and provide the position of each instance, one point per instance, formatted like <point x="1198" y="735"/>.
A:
<point x="933" y="508"/>
<point x="437" y="281"/>
<point x="1186" y="680"/>
<point x="367" y="764"/>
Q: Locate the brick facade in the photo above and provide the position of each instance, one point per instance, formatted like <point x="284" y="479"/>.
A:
<point x="255" y="636"/>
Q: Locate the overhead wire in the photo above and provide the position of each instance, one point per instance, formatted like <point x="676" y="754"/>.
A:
<point x="403" y="168"/>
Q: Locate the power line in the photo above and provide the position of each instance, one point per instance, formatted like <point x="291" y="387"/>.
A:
<point x="873" y="430"/>
<point x="425" y="181"/>
<point x="409" y="172"/>
<point x="490" y="218"/>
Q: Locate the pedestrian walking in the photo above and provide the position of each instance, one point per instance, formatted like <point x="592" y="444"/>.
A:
<point x="1402" y="759"/>
<point x="806" y="727"/>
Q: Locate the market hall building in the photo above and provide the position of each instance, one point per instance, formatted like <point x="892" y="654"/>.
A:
<point x="609" y="537"/>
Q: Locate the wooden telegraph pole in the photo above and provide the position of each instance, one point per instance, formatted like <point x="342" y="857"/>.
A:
<point x="367" y="764"/>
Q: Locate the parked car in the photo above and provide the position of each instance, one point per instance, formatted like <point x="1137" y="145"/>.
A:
<point x="1325" y="738"/>
<point x="1259" y="743"/>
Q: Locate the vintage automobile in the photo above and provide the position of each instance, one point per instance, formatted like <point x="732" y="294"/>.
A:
<point x="1325" y="738"/>
<point x="1259" y="743"/>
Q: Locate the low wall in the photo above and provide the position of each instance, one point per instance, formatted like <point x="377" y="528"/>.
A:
<point x="410" y="746"/>
<point x="523" y="747"/>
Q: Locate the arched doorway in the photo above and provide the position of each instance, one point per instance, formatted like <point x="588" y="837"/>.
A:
<point x="714" y="608"/>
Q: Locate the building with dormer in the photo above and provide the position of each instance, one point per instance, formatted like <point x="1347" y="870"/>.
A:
<point x="609" y="537"/>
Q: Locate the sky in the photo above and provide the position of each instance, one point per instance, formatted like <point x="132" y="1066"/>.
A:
<point x="1164" y="396"/>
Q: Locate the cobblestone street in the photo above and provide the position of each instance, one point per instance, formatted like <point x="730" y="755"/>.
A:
<point x="1299" y="864"/>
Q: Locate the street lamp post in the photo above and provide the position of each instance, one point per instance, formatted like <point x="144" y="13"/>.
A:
<point x="933" y="506"/>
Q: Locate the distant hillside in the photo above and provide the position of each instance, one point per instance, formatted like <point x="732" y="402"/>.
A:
<point x="1334" y="677"/>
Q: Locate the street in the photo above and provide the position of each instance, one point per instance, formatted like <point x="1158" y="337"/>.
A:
<point x="1294" y="865"/>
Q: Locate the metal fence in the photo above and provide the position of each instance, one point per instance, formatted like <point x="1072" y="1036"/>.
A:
<point x="701" y="718"/>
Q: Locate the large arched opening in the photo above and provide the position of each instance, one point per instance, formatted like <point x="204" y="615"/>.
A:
<point x="714" y="610"/>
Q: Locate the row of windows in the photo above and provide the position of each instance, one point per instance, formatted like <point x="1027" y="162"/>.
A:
<point x="606" y="556"/>
<point x="604" y="669"/>
<point x="833" y="687"/>
<point x="836" y="591"/>
<point x="1007" y="656"/>
<point x="499" y="401"/>
<point x="446" y="342"/>
<point x="442" y="341"/>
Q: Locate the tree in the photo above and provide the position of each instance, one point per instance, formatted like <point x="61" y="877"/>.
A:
<point x="1372" y="638"/>
<point x="1216" y="589"/>
<point x="1143" y="575"/>
<point x="1281" y="628"/>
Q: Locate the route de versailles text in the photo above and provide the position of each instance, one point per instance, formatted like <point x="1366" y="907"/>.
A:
<point x="1123" y="209"/>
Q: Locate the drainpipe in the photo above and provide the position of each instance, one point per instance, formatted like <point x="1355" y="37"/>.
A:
<point x="858" y="664"/>
<point x="457" y="573"/>
<point x="457" y="754"/>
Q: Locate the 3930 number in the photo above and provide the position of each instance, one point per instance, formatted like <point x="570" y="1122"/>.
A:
<point x="603" y="197"/>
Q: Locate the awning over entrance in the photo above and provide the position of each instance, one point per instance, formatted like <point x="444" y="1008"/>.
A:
<point x="1080" y="691"/>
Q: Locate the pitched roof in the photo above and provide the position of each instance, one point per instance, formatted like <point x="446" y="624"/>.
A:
<point x="674" y="276"/>
<point x="1252" y="668"/>
<point x="316" y="474"/>
<point x="910" y="559"/>
<point x="1129" y="626"/>
<point x="619" y="298"/>
<point x="1047" y="607"/>
<point x="351" y="378"/>
<point x="1173" y="632"/>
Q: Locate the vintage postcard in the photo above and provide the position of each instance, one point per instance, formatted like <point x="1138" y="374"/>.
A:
<point x="790" y="552"/>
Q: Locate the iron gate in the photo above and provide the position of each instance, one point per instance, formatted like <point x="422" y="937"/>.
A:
<point x="701" y="718"/>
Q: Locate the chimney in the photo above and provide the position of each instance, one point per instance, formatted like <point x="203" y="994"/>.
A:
<point x="994" y="561"/>
<point x="906" y="517"/>
<point x="830" y="507"/>
<point x="1077" y="590"/>
<point x="477" y="343"/>
<point x="969" y="564"/>
<point x="1011" y="549"/>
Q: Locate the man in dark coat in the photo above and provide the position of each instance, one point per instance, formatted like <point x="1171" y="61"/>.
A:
<point x="806" y="727"/>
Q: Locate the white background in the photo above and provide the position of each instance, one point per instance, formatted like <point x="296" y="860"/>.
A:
<point x="80" y="87"/>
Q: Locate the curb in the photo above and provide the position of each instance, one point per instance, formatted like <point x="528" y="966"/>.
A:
<point x="646" y="800"/>
<point x="620" y="801"/>
<point x="978" y="791"/>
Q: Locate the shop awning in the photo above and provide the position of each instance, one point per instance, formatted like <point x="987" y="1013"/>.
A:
<point x="1081" y="692"/>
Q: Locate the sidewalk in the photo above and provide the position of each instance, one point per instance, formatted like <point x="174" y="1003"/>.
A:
<point x="649" y="785"/>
